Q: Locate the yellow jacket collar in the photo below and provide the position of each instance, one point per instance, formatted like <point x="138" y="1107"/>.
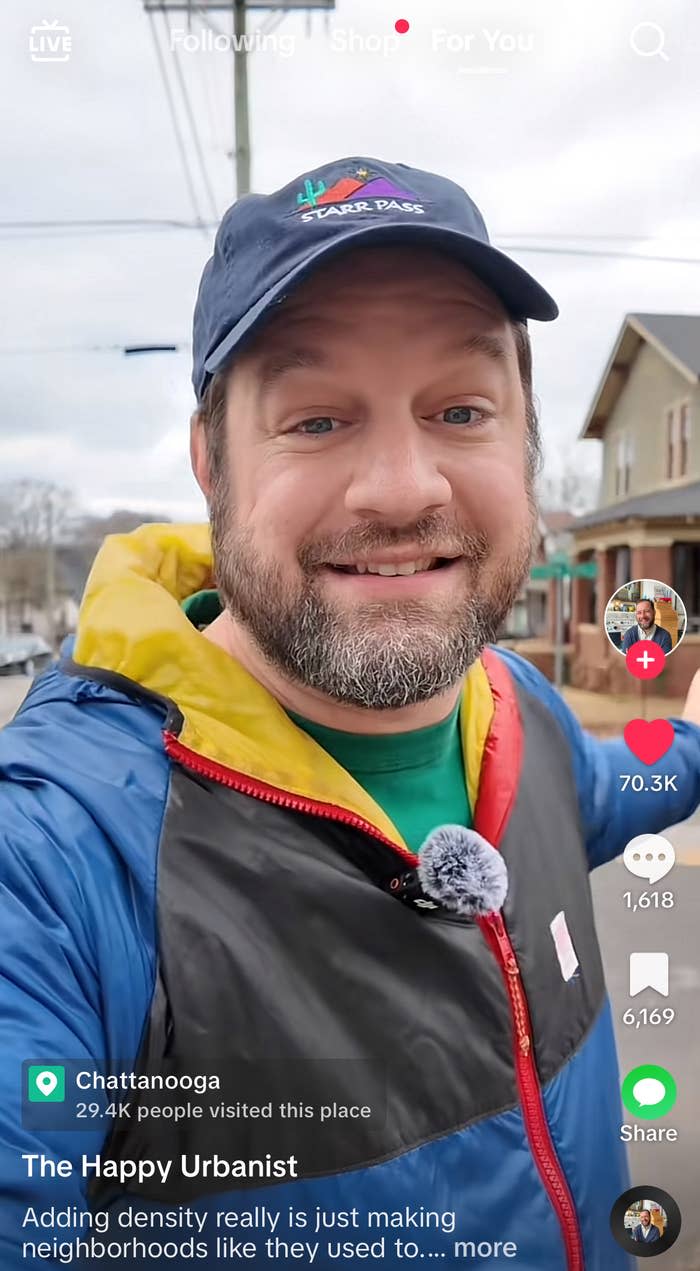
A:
<point x="131" y="623"/>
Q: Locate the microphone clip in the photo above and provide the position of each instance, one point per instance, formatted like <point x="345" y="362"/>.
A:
<point x="406" y="888"/>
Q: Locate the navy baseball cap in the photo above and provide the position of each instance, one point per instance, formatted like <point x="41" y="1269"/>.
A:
<point x="268" y="243"/>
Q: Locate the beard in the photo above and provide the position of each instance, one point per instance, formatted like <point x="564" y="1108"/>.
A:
<point x="378" y="654"/>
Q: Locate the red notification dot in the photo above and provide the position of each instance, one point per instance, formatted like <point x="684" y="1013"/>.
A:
<point x="645" y="660"/>
<point x="401" y="26"/>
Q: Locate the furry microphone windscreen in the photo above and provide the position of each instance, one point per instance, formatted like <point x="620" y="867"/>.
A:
<point x="461" y="870"/>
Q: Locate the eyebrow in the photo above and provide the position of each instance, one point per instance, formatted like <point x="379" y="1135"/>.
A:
<point x="490" y="345"/>
<point x="278" y="365"/>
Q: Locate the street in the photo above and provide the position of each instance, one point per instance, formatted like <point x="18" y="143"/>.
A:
<point x="12" y="691"/>
<point x="676" y="1046"/>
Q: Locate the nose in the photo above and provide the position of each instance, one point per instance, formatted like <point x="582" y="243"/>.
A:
<point x="396" y="474"/>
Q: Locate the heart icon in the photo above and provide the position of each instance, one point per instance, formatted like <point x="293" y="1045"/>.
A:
<point x="649" y="739"/>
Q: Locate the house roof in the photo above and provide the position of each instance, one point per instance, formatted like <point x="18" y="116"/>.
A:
<point x="675" y="336"/>
<point x="557" y="520"/>
<point x="660" y="505"/>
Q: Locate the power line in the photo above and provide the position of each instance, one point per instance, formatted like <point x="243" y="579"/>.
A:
<point x="75" y="232"/>
<point x="116" y="221"/>
<point x="594" y="251"/>
<point x="126" y="349"/>
<point x="216" y="84"/>
<point x="190" y="116"/>
<point x="56" y="228"/>
<point x="214" y="116"/>
<point x="176" y="126"/>
<point x="588" y="238"/>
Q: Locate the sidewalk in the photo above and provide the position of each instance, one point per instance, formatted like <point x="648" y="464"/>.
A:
<point x="13" y="689"/>
<point x="607" y="713"/>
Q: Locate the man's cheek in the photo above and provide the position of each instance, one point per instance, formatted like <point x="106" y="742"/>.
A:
<point x="504" y="513"/>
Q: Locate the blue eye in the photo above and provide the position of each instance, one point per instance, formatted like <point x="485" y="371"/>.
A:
<point x="460" y="414"/>
<point x="316" y="419"/>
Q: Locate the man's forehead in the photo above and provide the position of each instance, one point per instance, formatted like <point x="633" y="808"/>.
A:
<point x="428" y="295"/>
<point x="306" y="333"/>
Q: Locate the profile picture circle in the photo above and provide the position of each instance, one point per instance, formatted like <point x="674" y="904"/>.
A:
<point x="645" y="1221"/>
<point x="645" y="609"/>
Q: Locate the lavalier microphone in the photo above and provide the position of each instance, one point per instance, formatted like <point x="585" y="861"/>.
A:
<point x="458" y="870"/>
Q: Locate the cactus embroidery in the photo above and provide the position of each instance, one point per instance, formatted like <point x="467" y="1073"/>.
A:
<point x="311" y="193"/>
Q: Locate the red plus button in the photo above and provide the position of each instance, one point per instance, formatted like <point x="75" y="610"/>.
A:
<point x="645" y="660"/>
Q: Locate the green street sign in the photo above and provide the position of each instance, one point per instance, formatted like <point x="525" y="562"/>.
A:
<point x="548" y="571"/>
<point x="560" y="567"/>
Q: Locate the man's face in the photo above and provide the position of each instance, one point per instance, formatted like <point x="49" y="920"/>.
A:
<point x="644" y="615"/>
<point x="380" y="413"/>
<point x="646" y="1217"/>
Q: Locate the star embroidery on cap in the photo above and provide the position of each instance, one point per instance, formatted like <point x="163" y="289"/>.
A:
<point x="362" y="172"/>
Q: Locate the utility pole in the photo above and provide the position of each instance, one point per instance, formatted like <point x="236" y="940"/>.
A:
<point x="241" y="125"/>
<point x="50" y="572"/>
<point x="237" y="8"/>
<point x="559" y="633"/>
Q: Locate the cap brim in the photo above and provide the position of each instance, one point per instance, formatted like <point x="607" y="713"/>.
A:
<point x="519" y="293"/>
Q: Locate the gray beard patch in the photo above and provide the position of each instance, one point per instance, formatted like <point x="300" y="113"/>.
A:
<point x="384" y="655"/>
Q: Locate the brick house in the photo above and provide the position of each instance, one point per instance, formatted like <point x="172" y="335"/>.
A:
<point x="646" y="412"/>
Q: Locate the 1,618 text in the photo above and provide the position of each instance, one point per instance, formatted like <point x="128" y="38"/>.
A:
<point x="649" y="900"/>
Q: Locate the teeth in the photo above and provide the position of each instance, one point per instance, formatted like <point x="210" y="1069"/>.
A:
<point x="390" y="571"/>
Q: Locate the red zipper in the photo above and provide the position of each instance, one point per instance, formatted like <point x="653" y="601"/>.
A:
<point x="534" y="1116"/>
<point x="272" y="794"/>
<point x="494" y="931"/>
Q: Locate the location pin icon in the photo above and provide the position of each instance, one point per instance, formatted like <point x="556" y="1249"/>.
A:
<point x="46" y="1083"/>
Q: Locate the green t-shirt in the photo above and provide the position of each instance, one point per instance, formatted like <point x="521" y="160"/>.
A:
<point x="416" y="777"/>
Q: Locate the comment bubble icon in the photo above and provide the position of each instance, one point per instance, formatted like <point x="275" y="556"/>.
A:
<point x="649" y="856"/>
<point x="648" y="1092"/>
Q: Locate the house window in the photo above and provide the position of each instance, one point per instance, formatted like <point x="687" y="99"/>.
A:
<point x="629" y="456"/>
<point x="670" y="442"/>
<point x="623" y="566"/>
<point x="619" y="465"/>
<point x="623" y="464"/>
<point x="684" y="439"/>
<point x="685" y="580"/>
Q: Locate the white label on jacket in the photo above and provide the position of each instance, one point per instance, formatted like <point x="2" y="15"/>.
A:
<point x="564" y="946"/>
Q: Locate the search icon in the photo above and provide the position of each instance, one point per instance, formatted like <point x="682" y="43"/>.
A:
<point x="656" y="44"/>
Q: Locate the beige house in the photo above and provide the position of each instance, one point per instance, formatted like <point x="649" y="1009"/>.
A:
<point x="646" y="412"/>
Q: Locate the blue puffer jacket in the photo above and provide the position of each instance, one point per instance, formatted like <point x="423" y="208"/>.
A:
<point x="185" y="873"/>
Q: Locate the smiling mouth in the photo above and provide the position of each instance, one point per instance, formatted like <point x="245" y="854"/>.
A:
<point x="440" y="562"/>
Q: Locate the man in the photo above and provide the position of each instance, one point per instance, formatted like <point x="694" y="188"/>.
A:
<point x="645" y="1231"/>
<point x="216" y="804"/>
<point x="646" y="628"/>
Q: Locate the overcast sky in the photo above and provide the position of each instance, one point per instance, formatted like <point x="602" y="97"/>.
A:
<point x="573" y="140"/>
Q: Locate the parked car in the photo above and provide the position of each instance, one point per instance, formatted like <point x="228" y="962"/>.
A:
<point x="23" y="654"/>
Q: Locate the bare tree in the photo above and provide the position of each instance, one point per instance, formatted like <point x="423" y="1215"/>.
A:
<point x="34" y="514"/>
<point x="93" y="529"/>
<point x="569" y="489"/>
